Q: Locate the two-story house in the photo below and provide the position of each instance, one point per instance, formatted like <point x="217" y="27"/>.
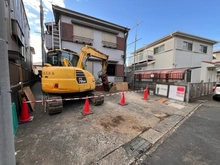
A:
<point x="18" y="34"/>
<point x="19" y="50"/>
<point x="177" y="52"/>
<point x="72" y="30"/>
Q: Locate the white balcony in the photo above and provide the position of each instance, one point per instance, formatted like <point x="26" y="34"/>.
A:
<point x="140" y="57"/>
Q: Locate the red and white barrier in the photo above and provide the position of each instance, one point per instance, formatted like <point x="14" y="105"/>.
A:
<point x="82" y="98"/>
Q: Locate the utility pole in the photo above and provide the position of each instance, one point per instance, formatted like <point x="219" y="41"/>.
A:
<point x="42" y="31"/>
<point x="135" y="51"/>
<point x="7" y="151"/>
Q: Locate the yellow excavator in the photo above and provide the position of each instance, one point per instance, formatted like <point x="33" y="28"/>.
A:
<point x="65" y="73"/>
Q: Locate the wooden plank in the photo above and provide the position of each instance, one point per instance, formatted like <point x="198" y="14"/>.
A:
<point x="121" y="86"/>
<point x="162" y="100"/>
<point x="29" y="97"/>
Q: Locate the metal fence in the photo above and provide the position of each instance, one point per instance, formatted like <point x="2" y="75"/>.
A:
<point x="194" y="91"/>
<point x="198" y="90"/>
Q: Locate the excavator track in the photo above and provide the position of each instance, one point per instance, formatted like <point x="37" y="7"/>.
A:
<point x="55" y="103"/>
<point x="54" y="107"/>
<point x="96" y="100"/>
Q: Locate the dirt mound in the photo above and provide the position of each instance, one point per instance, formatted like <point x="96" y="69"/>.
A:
<point x="121" y="124"/>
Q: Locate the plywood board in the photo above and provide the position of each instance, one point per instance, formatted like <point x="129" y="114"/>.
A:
<point x="162" y="100"/>
<point x="113" y="89"/>
<point x="121" y="86"/>
<point x="29" y="97"/>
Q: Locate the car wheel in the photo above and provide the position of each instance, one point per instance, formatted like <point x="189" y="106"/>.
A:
<point x="214" y="97"/>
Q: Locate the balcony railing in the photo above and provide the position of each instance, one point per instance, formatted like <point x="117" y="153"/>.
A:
<point x="141" y="57"/>
<point x="81" y="39"/>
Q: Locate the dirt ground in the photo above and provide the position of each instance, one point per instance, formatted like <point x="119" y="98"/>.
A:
<point x="71" y="138"/>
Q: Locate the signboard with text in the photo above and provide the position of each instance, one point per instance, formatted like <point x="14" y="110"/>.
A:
<point x="161" y="89"/>
<point x="177" y="92"/>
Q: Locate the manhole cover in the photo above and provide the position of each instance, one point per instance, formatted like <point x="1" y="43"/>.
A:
<point x="136" y="146"/>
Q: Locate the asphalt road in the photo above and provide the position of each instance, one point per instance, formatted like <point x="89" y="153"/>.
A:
<point x="195" y="142"/>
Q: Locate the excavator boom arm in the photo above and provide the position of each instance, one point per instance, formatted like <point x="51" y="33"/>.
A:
<point x="87" y="51"/>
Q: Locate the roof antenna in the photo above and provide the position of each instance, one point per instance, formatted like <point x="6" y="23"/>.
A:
<point x="135" y="41"/>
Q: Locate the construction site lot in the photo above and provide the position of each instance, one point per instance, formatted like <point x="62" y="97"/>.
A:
<point x="72" y="138"/>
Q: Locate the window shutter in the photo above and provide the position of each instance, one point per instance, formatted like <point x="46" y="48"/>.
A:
<point x="82" y="34"/>
<point x="109" y="40"/>
<point x="88" y="33"/>
<point x="77" y="31"/>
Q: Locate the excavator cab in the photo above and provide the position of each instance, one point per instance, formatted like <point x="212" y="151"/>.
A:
<point x="62" y="58"/>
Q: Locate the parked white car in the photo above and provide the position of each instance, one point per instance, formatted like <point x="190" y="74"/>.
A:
<point x="216" y="91"/>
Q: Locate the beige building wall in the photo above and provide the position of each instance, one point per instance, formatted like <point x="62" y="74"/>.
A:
<point x="186" y="58"/>
<point x="164" y="59"/>
<point x="208" y="72"/>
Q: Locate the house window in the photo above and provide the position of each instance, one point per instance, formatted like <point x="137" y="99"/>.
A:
<point x="159" y="49"/>
<point x="109" y="40"/>
<point x="203" y="49"/>
<point x="111" y="70"/>
<point x="187" y="45"/>
<point x="82" y="34"/>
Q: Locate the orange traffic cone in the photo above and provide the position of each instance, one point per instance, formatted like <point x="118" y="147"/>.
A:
<point x="145" y="94"/>
<point x="87" y="109"/>
<point x="122" y="102"/>
<point x="25" y="116"/>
